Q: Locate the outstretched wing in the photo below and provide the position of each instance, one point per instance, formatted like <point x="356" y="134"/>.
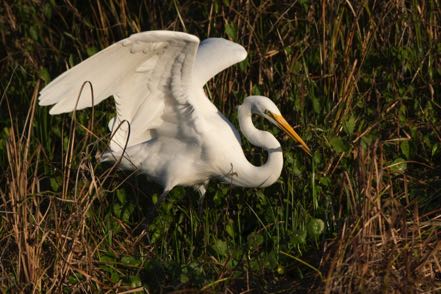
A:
<point x="213" y="56"/>
<point x="144" y="73"/>
<point x="151" y="76"/>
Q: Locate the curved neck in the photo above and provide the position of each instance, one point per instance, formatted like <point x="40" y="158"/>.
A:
<point x="249" y="175"/>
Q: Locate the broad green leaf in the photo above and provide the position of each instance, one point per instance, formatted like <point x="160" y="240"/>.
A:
<point x="434" y="149"/>
<point x="349" y="125"/>
<point x="220" y="247"/>
<point x="261" y="197"/>
<point x="33" y="33"/>
<point x="44" y="75"/>
<point x="54" y="184"/>
<point x="280" y="269"/>
<point x="315" y="227"/>
<point x="298" y="237"/>
<point x="316" y="104"/>
<point x="117" y="209"/>
<point x="338" y="144"/>
<point x="135" y="281"/>
<point x="106" y="259"/>
<point x="231" y="31"/>
<point x="255" y="240"/>
<point x="130" y="260"/>
<point x="155" y="198"/>
<point x="127" y="212"/>
<point x="230" y="229"/>
<point x="114" y="276"/>
<point x="47" y="10"/>
<point x="405" y="149"/>
<point x="91" y="51"/>
<point x="121" y="195"/>
<point x="399" y="165"/>
<point x="184" y="278"/>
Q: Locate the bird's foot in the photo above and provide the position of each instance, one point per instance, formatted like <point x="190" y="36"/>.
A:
<point x="201" y="204"/>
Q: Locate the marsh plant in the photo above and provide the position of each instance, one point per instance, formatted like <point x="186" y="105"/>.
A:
<point x="360" y="79"/>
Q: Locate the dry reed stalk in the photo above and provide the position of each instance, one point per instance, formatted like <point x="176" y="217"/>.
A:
<point x="51" y="234"/>
<point x="388" y="247"/>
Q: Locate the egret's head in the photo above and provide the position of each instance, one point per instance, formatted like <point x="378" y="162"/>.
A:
<point x="265" y="107"/>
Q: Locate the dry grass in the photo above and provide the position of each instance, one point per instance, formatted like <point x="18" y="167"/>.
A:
<point x="385" y="246"/>
<point x="54" y="240"/>
<point x="364" y="80"/>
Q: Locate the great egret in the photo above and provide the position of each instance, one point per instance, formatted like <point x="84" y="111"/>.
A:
<point x="174" y="134"/>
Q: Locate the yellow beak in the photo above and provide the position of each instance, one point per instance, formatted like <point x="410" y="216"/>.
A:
<point x="285" y="126"/>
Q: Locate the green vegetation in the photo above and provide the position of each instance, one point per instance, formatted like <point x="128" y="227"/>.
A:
<point x="361" y="79"/>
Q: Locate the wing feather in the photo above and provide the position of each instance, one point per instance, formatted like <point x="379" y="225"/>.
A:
<point x="143" y="73"/>
<point x="213" y="56"/>
<point x="152" y="76"/>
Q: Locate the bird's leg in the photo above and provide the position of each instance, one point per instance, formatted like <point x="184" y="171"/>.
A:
<point x="201" y="189"/>
<point x="162" y="197"/>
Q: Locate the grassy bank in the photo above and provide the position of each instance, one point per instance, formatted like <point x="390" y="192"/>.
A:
<point x="360" y="79"/>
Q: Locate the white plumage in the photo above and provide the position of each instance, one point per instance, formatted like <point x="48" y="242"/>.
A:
<point x="171" y="130"/>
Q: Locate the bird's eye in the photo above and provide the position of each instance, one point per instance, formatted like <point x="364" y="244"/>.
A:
<point x="267" y="112"/>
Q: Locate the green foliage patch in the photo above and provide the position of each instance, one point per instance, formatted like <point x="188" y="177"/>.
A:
<point x="361" y="80"/>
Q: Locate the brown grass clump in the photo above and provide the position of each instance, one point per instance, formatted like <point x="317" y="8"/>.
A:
<point x="54" y="240"/>
<point x="385" y="246"/>
<point x="360" y="78"/>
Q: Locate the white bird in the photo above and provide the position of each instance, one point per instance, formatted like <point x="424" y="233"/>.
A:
<point x="165" y="125"/>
